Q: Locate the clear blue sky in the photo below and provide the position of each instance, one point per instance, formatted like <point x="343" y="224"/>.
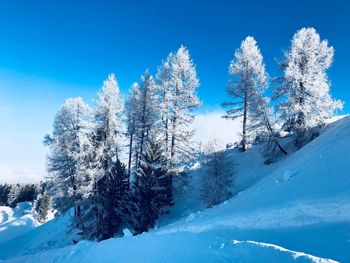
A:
<point x="51" y="50"/>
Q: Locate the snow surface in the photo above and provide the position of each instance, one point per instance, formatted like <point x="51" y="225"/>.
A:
<point x="295" y="210"/>
<point x="16" y="221"/>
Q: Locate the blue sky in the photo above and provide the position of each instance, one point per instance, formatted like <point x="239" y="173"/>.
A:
<point x="51" y="50"/>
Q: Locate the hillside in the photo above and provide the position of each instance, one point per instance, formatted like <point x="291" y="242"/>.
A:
<point x="295" y="210"/>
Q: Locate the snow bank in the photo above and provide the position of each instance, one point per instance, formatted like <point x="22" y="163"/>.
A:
<point x="16" y="221"/>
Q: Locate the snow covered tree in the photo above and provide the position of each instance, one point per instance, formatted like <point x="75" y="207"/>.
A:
<point x="13" y="195"/>
<point x="69" y="157"/>
<point x="305" y="101"/>
<point x="113" y="190"/>
<point x="107" y="142"/>
<point x="249" y="81"/>
<point x="4" y="192"/>
<point x="131" y="107"/>
<point x="146" y="113"/>
<point x="43" y="206"/>
<point x="183" y="84"/>
<point x="217" y="175"/>
<point x="28" y="193"/>
<point x="153" y="193"/>
<point x="108" y="123"/>
<point x="165" y="91"/>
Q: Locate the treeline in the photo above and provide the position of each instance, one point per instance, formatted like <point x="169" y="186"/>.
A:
<point x="12" y="194"/>
<point x="152" y="128"/>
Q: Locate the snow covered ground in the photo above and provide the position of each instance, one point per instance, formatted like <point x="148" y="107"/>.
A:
<point x="16" y="221"/>
<point x="295" y="210"/>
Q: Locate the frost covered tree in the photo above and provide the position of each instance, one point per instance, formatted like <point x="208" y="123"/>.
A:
<point x="146" y="113"/>
<point x="166" y="98"/>
<point x="13" y="195"/>
<point x="305" y="100"/>
<point x="183" y="84"/>
<point x="153" y="193"/>
<point x="108" y="124"/>
<point x="218" y="170"/>
<point x="4" y="192"/>
<point x="43" y="206"/>
<point x="107" y="143"/>
<point x="131" y="110"/>
<point x="70" y="154"/>
<point x="249" y="81"/>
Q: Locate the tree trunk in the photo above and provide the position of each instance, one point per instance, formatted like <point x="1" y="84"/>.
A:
<point x="166" y="138"/>
<point x="130" y="157"/>
<point x="275" y="139"/>
<point x="244" y="132"/>
<point x="172" y="154"/>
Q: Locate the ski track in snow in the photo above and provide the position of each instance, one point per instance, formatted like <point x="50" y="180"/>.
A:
<point x="294" y="254"/>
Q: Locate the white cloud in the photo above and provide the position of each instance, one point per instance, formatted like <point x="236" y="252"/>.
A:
<point x="19" y="174"/>
<point x="208" y="124"/>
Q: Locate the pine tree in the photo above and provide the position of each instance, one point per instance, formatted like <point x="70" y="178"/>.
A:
<point x="4" y="192"/>
<point x="153" y="193"/>
<point x="107" y="146"/>
<point x="113" y="189"/>
<point x="13" y="195"/>
<point x="43" y="206"/>
<point x="70" y="148"/>
<point x="305" y="101"/>
<point x="249" y="81"/>
<point x="218" y="174"/>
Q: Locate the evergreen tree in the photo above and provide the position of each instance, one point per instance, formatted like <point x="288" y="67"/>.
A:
<point x="13" y="195"/>
<point x="305" y="101"/>
<point x="107" y="143"/>
<point x="153" y="193"/>
<point x="113" y="190"/>
<point x="4" y="192"/>
<point x="43" y="206"/>
<point x="249" y="81"/>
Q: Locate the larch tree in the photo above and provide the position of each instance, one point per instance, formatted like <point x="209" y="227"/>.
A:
<point x="146" y="115"/>
<point x="183" y="84"/>
<point x="131" y="110"/>
<point x="305" y="100"/>
<point x="165" y="95"/>
<point x="108" y="123"/>
<point x="249" y="81"/>
<point x="69" y="156"/>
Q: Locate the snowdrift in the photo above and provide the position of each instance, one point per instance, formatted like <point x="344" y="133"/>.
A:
<point x="16" y="221"/>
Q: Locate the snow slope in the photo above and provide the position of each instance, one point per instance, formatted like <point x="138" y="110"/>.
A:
<point x="296" y="210"/>
<point x="16" y="221"/>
